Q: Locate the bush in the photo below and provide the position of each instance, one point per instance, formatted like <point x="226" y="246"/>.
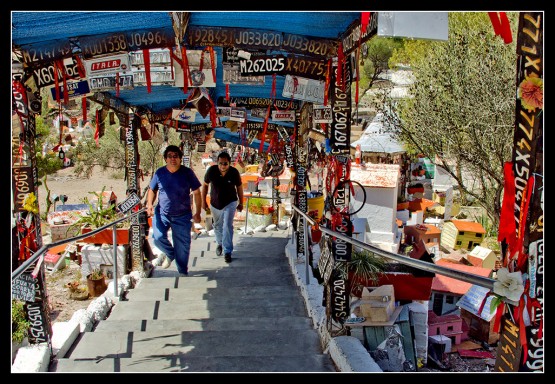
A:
<point x="20" y="324"/>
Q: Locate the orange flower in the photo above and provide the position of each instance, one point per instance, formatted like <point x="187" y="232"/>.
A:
<point x="530" y="93"/>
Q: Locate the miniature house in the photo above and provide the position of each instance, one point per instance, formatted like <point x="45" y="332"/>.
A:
<point x="458" y="234"/>
<point x="482" y="257"/>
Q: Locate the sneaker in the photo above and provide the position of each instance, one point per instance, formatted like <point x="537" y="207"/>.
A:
<point x="167" y="262"/>
<point x="228" y="258"/>
<point x="159" y="260"/>
<point x="219" y="250"/>
<point x="184" y="274"/>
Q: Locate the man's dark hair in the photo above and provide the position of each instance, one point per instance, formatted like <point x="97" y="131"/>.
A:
<point x="173" y="148"/>
<point x="224" y="155"/>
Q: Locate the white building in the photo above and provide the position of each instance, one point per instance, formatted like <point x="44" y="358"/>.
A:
<point x="379" y="211"/>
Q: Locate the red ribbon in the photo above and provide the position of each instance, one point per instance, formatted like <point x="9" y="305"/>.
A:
<point x="340" y="62"/>
<point x="265" y="125"/>
<point x="146" y="58"/>
<point x="525" y="204"/>
<point x="327" y="86"/>
<point x="501" y="25"/>
<point x="507" y="226"/>
<point x="117" y="82"/>
<point x="364" y="19"/>
<point x="97" y="132"/>
<point x="84" y="108"/>
<point x="185" y="67"/>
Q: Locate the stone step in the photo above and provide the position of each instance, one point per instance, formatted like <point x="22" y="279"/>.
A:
<point x="127" y="310"/>
<point x="182" y="362"/>
<point x="164" y="344"/>
<point x="247" y="280"/>
<point x="204" y="293"/>
<point x="206" y="325"/>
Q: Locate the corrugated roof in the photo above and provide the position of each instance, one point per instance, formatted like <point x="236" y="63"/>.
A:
<point x="376" y="175"/>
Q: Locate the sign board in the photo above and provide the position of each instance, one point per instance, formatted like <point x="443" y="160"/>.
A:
<point x="198" y="78"/>
<point x="238" y="114"/>
<point x="472" y="300"/>
<point x="75" y="89"/>
<point x="108" y="82"/>
<point x="107" y="65"/>
<point x="129" y="40"/>
<point x="129" y="203"/>
<point x="158" y="76"/>
<point x="23" y="288"/>
<point x="509" y="348"/>
<point x="321" y="113"/>
<point x="414" y="25"/>
<point x="159" y="57"/>
<point x="187" y="114"/>
<point x="301" y="88"/>
<point x="283" y="115"/>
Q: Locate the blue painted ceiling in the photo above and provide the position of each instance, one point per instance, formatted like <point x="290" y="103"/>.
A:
<point x="41" y="28"/>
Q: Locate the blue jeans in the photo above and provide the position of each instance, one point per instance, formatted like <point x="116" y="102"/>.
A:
<point x="181" y="237"/>
<point x="222" y="220"/>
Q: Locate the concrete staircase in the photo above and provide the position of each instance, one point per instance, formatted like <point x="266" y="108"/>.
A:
<point x="245" y="316"/>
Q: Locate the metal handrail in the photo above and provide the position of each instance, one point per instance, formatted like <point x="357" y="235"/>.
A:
<point x="471" y="278"/>
<point x="34" y="257"/>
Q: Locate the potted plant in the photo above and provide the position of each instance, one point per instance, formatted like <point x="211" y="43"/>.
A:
<point x="98" y="216"/>
<point x="96" y="282"/>
<point x="259" y="206"/>
<point x="363" y="269"/>
<point x="260" y="212"/>
<point x="402" y="203"/>
<point x="414" y="188"/>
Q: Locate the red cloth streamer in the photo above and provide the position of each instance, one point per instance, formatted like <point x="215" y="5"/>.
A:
<point x="265" y="125"/>
<point x="340" y="62"/>
<point x="185" y="67"/>
<point x="212" y="62"/>
<point x="80" y="67"/>
<point x="97" y="132"/>
<point x="364" y="18"/>
<point x="146" y="58"/>
<point x="327" y="86"/>
<point x="117" y="83"/>
<point x="501" y="25"/>
<point x="525" y="204"/>
<point x="59" y="66"/>
<point x="227" y="92"/>
<point x="507" y="226"/>
<point x="84" y="108"/>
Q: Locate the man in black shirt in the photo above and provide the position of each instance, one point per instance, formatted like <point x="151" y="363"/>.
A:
<point x="226" y="196"/>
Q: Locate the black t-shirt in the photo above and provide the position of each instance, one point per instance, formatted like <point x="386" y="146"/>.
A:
<point x="222" y="188"/>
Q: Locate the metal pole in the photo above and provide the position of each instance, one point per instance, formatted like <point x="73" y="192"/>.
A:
<point x="115" y="253"/>
<point x="306" y="253"/>
<point x="247" y="214"/>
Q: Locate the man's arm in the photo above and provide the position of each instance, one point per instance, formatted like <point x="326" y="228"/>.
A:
<point x="240" y="196"/>
<point x="204" y="193"/>
<point x="197" y="195"/>
<point x="150" y="198"/>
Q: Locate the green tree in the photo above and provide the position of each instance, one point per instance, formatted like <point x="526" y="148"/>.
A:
<point x="47" y="162"/>
<point x="460" y="112"/>
<point x="373" y="64"/>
